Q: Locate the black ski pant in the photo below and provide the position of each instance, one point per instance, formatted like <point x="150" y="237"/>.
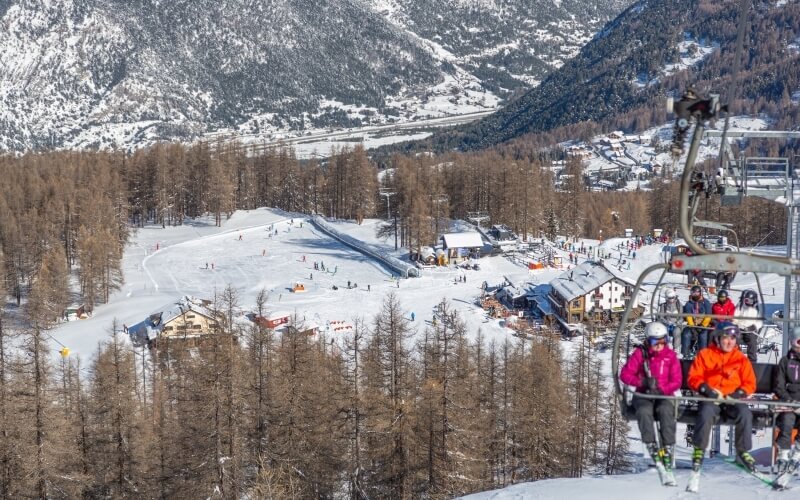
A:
<point x="647" y="410"/>
<point x="750" y="339"/>
<point x="786" y="422"/>
<point x="742" y="419"/>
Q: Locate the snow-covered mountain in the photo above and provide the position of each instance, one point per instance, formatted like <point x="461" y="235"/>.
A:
<point x="100" y="73"/>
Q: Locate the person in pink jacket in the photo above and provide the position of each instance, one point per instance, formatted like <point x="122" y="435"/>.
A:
<point x="654" y="368"/>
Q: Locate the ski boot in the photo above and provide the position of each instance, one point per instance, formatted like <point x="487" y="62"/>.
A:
<point x="747" y="460"/>
<point x="783" y="461"/>
<point x="652" y="449"/>
<point x="697" y="459"/>
<point x="666" y="458"/>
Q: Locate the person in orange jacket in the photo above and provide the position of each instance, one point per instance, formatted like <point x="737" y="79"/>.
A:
<point x="722" y="372"/>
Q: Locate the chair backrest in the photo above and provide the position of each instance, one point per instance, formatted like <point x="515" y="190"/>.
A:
<point x="764" y="375"/>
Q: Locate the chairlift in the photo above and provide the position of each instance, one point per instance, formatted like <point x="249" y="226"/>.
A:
<point x="723" y="261"/>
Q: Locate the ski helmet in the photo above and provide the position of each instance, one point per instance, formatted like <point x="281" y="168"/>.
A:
<point x="722" y="294"/>
<point x="655" y="330"/>
<point x="794" y="338"/>
<point x="750" y="298"/>
<point x="726" y="329"/>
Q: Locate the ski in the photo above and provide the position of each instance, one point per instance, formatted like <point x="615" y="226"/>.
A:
<point x="693" y="486"/>
<point x="665" y="475"/>
<point x="764" y="478"/>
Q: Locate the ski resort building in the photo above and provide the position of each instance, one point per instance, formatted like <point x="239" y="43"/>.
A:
<point x="188" y="318"/>
<point x="462" y="246"/>
<point x="589" y="292"/>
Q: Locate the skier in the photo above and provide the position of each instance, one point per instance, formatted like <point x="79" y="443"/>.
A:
<point x="369" y="288"/>
<point x="696" y="329"/>
<point x="722" y="372"/>
<point x="751" y="322"/>
<point x="240" y="237"/>
<point x="413" y="315"/>
<point x="723" y="307"/>
<point x="786" y="385"/>
<point x="654" y="369"/>
<point x="206" y="265"/>
<point x="668" y="313"/>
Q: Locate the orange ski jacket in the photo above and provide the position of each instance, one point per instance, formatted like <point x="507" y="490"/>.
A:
<point x="724" y="371"/>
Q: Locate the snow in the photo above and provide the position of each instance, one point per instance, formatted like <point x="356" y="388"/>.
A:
<point x="718" y="481"/>
<point x="162" y="265"/>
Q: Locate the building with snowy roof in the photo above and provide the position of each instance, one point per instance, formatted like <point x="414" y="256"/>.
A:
<point x="590" y="292"/>
<point x="461" y="246"/>
<point x="188" y="318"/>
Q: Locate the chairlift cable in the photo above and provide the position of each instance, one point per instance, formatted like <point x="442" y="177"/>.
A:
<point x="743" y="7"/>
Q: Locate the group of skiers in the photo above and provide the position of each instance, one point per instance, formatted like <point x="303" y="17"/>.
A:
<point x="695" y="313"/>
<point x="720" y="372"/>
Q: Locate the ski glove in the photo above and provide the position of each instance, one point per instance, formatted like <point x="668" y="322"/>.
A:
<point x="652" y="386"/>
<point x="705" y="390"/>
<point x="738" y="394"/>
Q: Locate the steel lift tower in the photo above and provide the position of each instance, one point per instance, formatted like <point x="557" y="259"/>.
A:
<point x="774" y="179"/>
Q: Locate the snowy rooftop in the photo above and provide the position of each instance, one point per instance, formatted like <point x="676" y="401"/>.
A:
<point x="581" y="280"/>
<point x="462" y="240"/>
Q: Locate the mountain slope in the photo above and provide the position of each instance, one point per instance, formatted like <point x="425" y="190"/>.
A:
<point x="635" y="62"/>
<point x="184" y="66"/>
<point x="99" y="73"/>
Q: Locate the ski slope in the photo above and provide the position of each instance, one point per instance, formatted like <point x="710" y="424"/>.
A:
<point x="718" y="481"/>
<point x="163" y="264"/>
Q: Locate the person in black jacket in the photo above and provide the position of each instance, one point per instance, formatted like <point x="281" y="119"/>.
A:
<point x="786" y="385"/>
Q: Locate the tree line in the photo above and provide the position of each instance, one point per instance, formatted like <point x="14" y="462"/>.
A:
<point x="80" y="207"/>
<point x="379" y="413"/>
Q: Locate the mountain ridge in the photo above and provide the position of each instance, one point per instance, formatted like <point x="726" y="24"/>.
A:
<point x="94" y="74"/>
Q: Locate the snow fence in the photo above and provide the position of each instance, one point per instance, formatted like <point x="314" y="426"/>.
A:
<point x="392" y="262"/>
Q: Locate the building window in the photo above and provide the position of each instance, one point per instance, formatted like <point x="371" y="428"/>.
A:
<point x="190" y="316"/>
<point x="197" y="327"/>
<point x="167" y="328"/>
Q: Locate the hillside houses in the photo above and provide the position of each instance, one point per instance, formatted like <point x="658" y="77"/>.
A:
<point x="589" y="292"/>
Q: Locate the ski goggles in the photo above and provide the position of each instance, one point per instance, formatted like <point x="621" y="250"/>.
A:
<point x="653" y="341"/>
<point x="730" y="331"/>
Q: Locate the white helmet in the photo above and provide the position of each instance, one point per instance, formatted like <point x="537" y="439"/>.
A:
<point x="655" y="330"/>
<point x="671" y="294"/>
